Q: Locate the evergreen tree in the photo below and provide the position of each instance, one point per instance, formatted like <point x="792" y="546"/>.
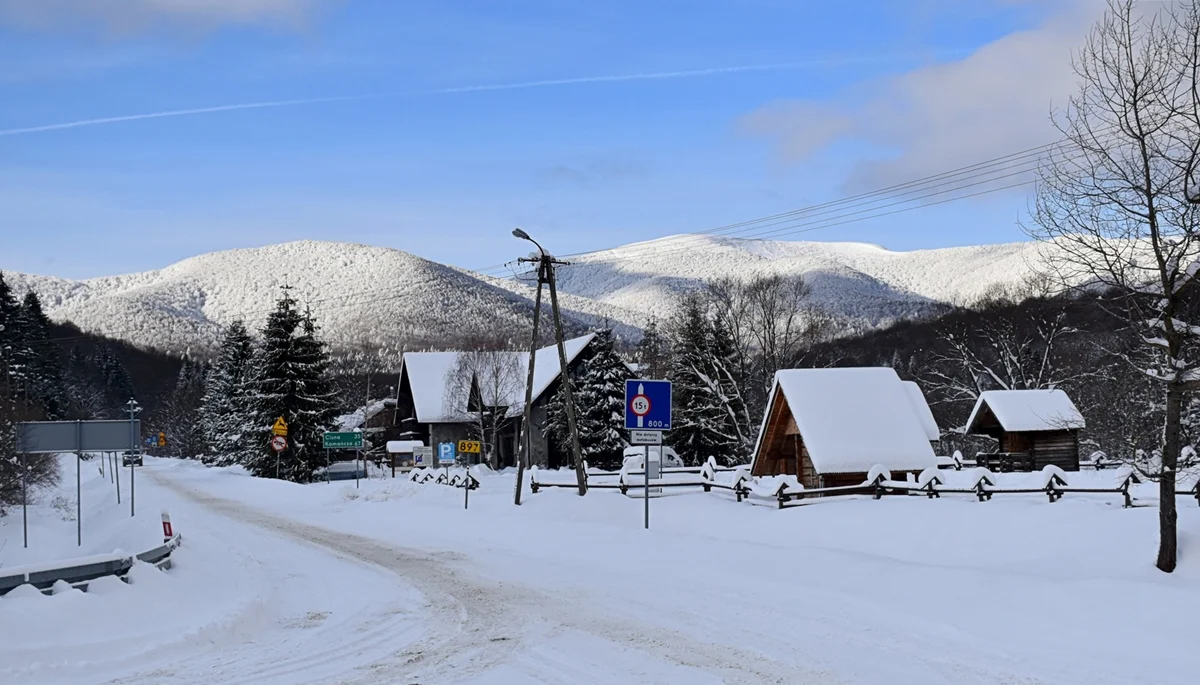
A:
<point x="9" y="464"/>
<point x="709" y="416"/>
<point x="598" y="391"/>
<point x="40" y="359"/>
<point x="316" y="396"/>
<point x="178" y="416"/>
<point x="290" y="382"/>
<point x="118" y="386"/>
<point x="652" y="354"/>
<point x="225" y="410"/>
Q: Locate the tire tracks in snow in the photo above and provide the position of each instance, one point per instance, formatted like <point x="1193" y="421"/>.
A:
<point x="477" y="624"/>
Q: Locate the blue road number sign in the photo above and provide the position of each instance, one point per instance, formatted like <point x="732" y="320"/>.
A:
<point x="445" y="453"/>
<point x="648" y="405"/>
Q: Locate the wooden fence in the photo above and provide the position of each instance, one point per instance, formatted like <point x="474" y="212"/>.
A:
<point x="983" y="486"/>
<point x="705" y="473"/>
<point x="422" y="476"/>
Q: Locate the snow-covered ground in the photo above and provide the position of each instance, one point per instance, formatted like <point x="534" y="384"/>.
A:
<point x="395" y="582"/>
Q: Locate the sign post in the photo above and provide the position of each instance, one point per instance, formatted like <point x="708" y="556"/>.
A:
<point x="422" y="457"/>
<point x="346" y="440"/>
<point x="647" y="415"/>
<point x="446" y="457"/>
<point x="279" y="430"/>
<point x="468" y="447"/>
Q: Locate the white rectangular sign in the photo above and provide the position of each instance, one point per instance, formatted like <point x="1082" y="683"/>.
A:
<point x="637" y="437"/>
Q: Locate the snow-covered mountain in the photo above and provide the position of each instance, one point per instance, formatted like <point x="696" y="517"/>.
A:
<point x="852" y="280"/>
<point x="360" y="295"/>
<point x="382" y="297"/>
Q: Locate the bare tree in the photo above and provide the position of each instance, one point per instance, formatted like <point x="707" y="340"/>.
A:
<point x="1112" y="198"/>
<point x="1002" y="353"/>
<point x="771" y="321"/>
<point x="487" y="384"/>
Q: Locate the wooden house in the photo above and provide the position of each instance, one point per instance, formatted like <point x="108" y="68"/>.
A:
<point x="1032" y="428"/>
<point x="829" y="427"/>
<point x="431" y="411"/>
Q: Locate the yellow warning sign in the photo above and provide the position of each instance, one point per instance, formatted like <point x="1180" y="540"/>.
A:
<point x="280" y="427"/>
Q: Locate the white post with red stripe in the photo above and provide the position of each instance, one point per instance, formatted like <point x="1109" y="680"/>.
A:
<point x="168" y="531"/>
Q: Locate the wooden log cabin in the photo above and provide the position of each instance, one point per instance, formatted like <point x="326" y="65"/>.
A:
<point x="829" y="427"/>
<point x="1032" y="428"/>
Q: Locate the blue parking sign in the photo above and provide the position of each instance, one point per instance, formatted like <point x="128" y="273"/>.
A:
<point x="445" y="453"/>
<point x="648" y="405"/>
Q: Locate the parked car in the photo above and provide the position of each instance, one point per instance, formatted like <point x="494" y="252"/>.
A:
<point x="670" y="459"/>
<point x="130" y="458"/>
<point x="343" y="470"/>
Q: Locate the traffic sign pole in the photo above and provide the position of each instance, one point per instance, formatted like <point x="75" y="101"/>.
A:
<point x="647" y="415"/>
<point x="646" y="480"/>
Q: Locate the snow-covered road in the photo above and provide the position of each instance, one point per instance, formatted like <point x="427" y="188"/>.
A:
<point x="243" y="604"/>
<point x="394" y="582"/>
<point x="481" y="629"/>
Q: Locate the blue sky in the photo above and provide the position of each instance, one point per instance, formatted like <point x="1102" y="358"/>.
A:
<point x="870" y="93"/>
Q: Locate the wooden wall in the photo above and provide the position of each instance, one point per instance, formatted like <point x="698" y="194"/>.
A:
<point x="1060" y="448"/>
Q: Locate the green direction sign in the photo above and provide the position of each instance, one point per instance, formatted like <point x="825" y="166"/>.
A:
<point x="342" y="441"/>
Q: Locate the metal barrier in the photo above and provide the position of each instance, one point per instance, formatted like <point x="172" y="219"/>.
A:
<point x="85" y="570"/>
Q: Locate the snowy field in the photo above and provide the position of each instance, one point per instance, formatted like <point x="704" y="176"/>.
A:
<point x="394" y="582"/>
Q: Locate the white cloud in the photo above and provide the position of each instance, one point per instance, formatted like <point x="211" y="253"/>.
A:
<point x="991" y="103"/>
<point x="126" y="15"/>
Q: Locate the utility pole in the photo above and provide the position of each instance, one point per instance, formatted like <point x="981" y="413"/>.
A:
<point x="546" y="275"/>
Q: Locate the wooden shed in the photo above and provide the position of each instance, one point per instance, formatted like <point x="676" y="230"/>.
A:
<point x="1032" y="428"/>
<point x="829" y="427"/>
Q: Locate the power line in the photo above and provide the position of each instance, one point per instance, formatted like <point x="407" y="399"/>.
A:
<point x="1026" y="160"/>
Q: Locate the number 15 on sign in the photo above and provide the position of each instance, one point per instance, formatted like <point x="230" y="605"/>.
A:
<point x="648" y="405"/>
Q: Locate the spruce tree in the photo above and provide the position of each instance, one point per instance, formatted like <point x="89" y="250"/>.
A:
<point x="40" y="360"/>
<point x="9" y="464"/>
<point x="652" y="354"/>
<point x="598" y="390"/>
<point x="225" y="410"/>
<point x="316" y="397"/>
<point x="179" y="414"/>
<point x="709" y="416"/>
<point x="291" y="382"/>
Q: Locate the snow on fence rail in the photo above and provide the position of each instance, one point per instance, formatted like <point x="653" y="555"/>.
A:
<point x="79" y="572"/>
<point x="441" y="477"/>
<point x="625" y="478"/>
<point x="983" y="486"/>
<point x="787" y="492"/>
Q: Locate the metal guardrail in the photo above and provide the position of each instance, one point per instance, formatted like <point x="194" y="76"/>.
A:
<point x="91" y="568"/>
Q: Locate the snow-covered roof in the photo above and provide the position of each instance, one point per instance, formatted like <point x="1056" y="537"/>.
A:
<point x="359" y="417"/>
<point x="546" y="366"/>
<point x="403" y="446"/>
<point x="851" y="419"/>
<point x="921" y="408"/>
<point x="428" y="373"/>
<point x="1029" y="410"/>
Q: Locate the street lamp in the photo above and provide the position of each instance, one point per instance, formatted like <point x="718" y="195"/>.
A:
<point x="518" y="233"/>
<point x="545" y="276"/>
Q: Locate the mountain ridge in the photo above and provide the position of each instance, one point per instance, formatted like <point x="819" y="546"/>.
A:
<point x="391" y="299"/>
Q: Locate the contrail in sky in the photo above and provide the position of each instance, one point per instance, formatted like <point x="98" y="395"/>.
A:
<point x="660" y="75"/>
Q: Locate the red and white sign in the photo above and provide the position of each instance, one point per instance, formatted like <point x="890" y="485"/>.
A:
<point x="168" y="531"/>
<point x="640" y="406"/>
<point x="279" y="443"/>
